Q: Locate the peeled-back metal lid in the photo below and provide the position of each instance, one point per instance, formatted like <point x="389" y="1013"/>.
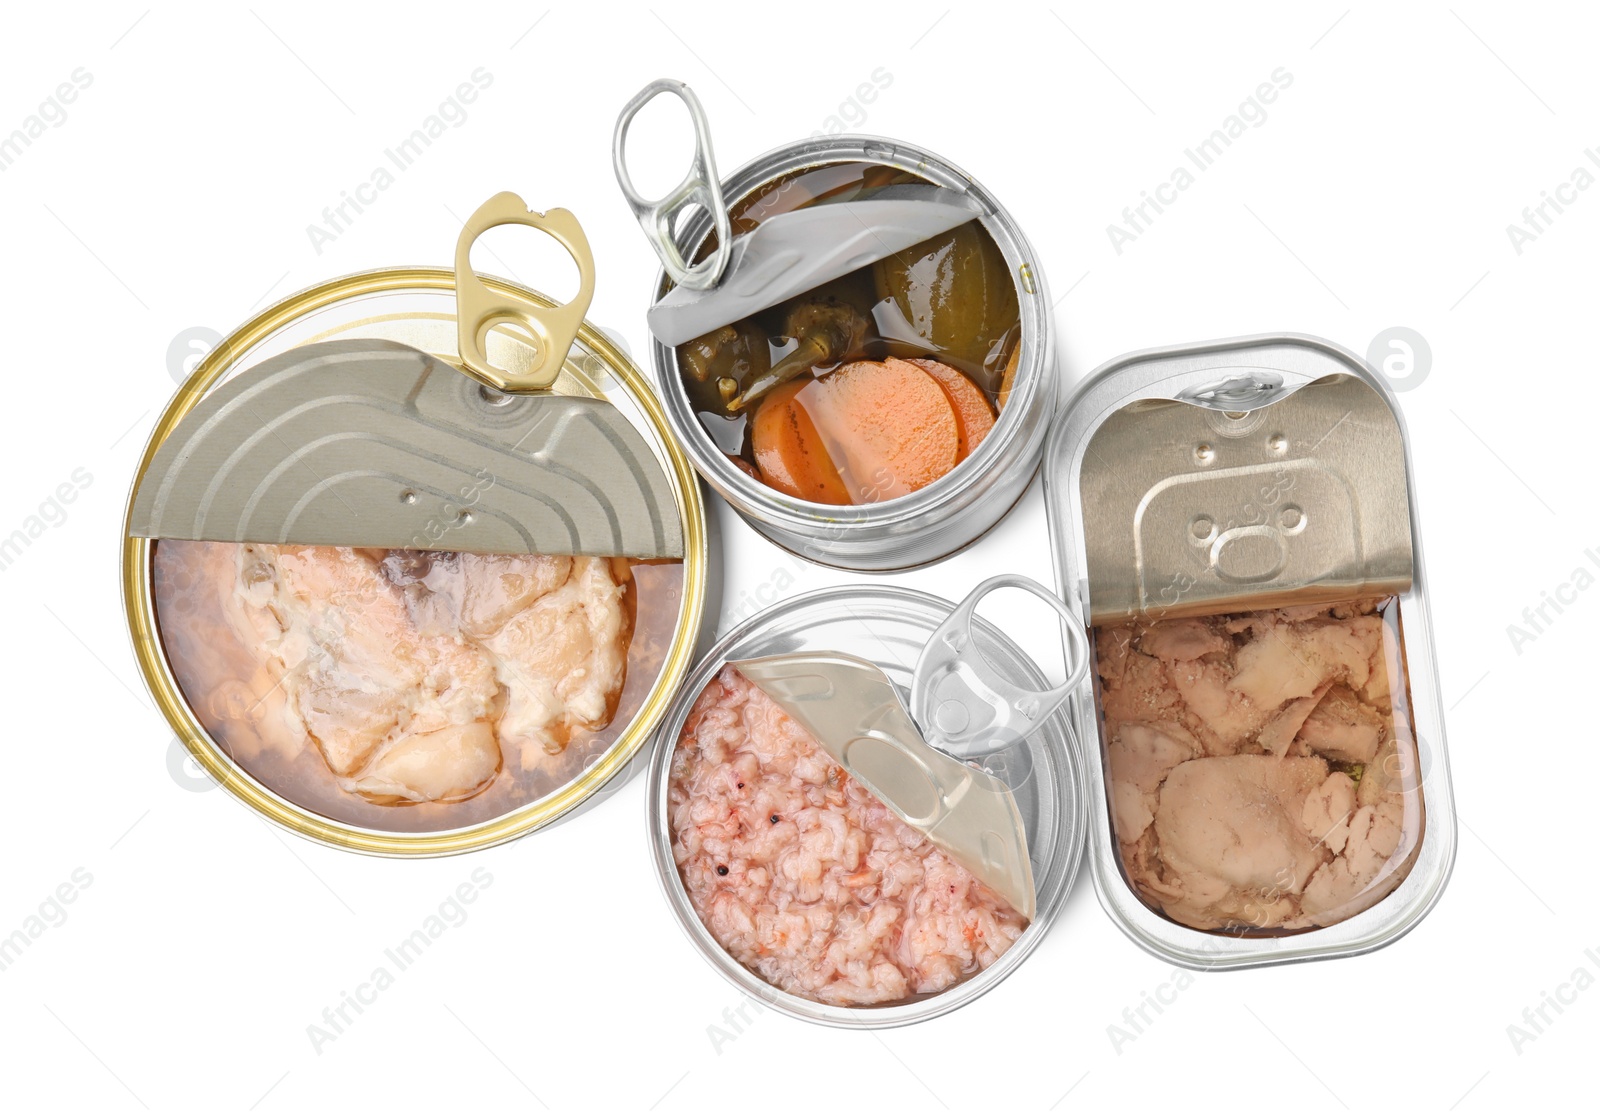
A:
<point x="334" y="443"/>
<point x="791" y="253"/>
<point x="961" y="708"/>
<point x="1248" y="486"/>
<point x="786" y="255"/>
<point x="356" y="442"/>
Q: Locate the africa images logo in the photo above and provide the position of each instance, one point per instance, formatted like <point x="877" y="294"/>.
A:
<point x="51" y="113"/>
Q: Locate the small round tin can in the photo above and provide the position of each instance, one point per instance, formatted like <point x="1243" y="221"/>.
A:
<point x="890" y="627"/>
<point x="417" y="308"/>
<point x="952" y="512"/>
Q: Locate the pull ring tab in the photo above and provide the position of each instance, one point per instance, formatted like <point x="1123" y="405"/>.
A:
<point x="1237" y="394"/>
<point x="700" y="187"/>
<point x="962" y="704"/>
<point x="478" y="310"/>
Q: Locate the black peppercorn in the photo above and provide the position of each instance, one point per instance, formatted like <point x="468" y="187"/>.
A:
<point x="721" y="870"/>
<point x="773" y="818"/>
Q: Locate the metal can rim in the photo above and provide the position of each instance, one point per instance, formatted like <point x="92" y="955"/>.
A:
<point x="139" y="605"/>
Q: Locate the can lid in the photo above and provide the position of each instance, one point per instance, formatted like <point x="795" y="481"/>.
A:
<point x="786" y="254"/>
<point x="360" y="442"/>
<point x="791" y="253"/>
<point x="962" y="705"/>
<point x="1243" y="489"/>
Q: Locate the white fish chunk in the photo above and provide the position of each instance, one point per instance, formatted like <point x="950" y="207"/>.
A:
<point x="562" y="659"/>
<point x="411" y="672"/>
<point x="449" y="764"/>
<point x="1259" y="765"/>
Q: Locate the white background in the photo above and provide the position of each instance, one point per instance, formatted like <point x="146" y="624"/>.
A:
<point x="177" y="193"/>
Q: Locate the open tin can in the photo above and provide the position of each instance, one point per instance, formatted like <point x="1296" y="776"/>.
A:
<point x="1235" y="522"/>
<point x="858" y="461"/>
<point x="480" y="521"/>
<point x="817" y="881"/>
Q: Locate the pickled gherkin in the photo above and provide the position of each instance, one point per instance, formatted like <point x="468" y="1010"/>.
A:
<point x="955" y="293"/>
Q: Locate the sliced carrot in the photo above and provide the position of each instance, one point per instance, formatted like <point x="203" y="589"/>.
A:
<point x="789" y="453"/>
<point x="974" y="413"/>
<point x="889" y="426"/>
<point x="744" y="467"/>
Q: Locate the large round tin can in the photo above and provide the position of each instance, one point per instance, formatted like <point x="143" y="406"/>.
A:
<point x="888" y="626"/>
<point x="955" y="510"/>
<point x="416" y="306"/>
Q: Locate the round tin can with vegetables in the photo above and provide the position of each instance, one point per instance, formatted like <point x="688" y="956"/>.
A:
<point x="412" y="564"/>
<point x="864" y="807"/>
<point x="853" y="343"/>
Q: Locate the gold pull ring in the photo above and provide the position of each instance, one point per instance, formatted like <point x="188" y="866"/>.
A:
<point x="551" y="330"/>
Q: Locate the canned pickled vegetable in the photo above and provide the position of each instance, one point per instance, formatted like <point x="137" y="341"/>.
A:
<point x="865" y="396"/>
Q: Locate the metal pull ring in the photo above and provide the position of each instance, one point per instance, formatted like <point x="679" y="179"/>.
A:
<point x="478" y="310"/>
<point x="1237" y="394"/>
<point x="700" y="187"/>
<point x="963" y="704"/>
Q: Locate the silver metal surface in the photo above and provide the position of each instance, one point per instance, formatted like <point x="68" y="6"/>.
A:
<point x="968" y="708"/>
<point x="364" y="442"/>
<point x="700" y="187"/>
<point x="889" y="627"/>
<point x="1244" y="492"/>
<point x="940" y="519"/>
<point x="1289" y="363"/>
<point x="791" y="253"/>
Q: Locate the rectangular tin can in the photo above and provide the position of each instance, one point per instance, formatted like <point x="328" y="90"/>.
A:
<point x="1305" y="442"/>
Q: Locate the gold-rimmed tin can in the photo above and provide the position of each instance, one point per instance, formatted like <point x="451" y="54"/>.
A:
<point x="416" y="306"/>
